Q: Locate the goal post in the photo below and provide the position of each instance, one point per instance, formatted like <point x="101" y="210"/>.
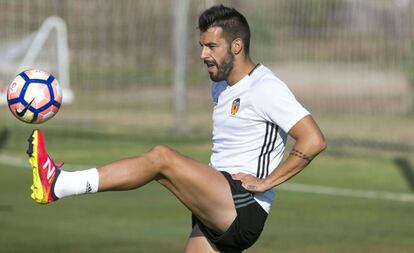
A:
<point x="38" y="50"/>
<point x="180" y="63"/>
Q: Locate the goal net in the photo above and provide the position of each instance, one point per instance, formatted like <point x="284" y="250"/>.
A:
<point x="45" y="49"/>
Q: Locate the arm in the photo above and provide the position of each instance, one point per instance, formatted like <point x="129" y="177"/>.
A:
<point x="309" y="142"/>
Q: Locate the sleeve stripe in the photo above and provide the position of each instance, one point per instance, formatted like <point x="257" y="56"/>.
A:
<point x="268" y="144"/>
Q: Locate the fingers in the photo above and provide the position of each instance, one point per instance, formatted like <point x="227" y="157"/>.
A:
<point x="248" y="181"/>
<point x="252" y="184"/>
<point x="238" y="176"/>
<point x="249" y="187"/>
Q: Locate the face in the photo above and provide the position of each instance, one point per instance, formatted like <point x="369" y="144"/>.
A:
<point x="216" y="54"/>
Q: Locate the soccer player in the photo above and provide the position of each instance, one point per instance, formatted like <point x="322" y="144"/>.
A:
<point x="230" y="198"/>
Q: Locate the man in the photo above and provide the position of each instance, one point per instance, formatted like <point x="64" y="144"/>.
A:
<point x="253" y="114"/>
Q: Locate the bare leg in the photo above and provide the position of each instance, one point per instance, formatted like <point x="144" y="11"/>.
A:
<point x="201" y="188"/>
<point x="198" y="243"/>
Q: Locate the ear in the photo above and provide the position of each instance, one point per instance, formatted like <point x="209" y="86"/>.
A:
<point x="237" y="46"/>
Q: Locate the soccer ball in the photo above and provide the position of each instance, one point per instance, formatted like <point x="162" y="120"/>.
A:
<point x="34" y="96"/>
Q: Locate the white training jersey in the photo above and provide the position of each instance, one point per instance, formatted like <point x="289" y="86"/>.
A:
<point x="251" y="120"/>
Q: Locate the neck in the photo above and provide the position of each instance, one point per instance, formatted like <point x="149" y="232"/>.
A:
<point x="241" y="68"/>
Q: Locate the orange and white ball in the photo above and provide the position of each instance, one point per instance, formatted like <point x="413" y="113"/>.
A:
<point x="34" y="96"/>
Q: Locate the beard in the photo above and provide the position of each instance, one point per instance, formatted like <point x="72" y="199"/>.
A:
<point x="224" y="69"/>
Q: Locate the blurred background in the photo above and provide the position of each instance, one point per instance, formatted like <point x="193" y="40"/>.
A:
<point x="132" y="78"/>
<point x="346" y="59"/>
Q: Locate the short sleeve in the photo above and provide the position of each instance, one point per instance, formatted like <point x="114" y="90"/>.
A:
<point x="274" y="102"/>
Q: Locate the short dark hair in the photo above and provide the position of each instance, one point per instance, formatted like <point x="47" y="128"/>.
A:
<point x="233" y="23"/>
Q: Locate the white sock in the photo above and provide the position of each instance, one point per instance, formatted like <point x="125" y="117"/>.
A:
<point x="76" y="183"/>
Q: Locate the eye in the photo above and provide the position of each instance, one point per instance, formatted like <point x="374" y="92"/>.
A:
<point x="211" y="46"/>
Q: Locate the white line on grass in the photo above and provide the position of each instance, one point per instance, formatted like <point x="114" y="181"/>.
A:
<point x="23" y="163"/>
<point x="335" y="191"/>
<point x="317" y="189"/>
<point x="13" y="161"/>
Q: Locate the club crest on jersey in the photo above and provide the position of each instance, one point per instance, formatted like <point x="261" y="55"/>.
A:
<point x="235" y="106"/>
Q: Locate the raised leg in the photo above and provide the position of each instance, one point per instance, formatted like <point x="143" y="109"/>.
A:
<point x="201" y="188"/>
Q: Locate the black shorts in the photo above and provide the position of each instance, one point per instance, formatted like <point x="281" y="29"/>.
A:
<point x="245" y="229"/>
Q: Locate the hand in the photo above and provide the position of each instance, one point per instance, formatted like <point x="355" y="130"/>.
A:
<point x="251" y="183"/>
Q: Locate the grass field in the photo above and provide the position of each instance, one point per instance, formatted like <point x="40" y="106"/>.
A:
<point x="152" y="220"/>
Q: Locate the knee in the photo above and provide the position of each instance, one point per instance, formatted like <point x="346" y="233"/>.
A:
<point x="161" y="154"/>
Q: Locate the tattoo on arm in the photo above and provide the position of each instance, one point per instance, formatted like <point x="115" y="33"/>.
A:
<point x="251" y="187"/>
<point x="301" y="155"/>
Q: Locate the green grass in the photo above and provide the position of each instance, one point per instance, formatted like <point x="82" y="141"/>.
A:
<point x="152" y="220"/>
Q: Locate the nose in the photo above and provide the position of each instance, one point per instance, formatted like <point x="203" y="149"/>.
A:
<point x="204" y="53"/>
